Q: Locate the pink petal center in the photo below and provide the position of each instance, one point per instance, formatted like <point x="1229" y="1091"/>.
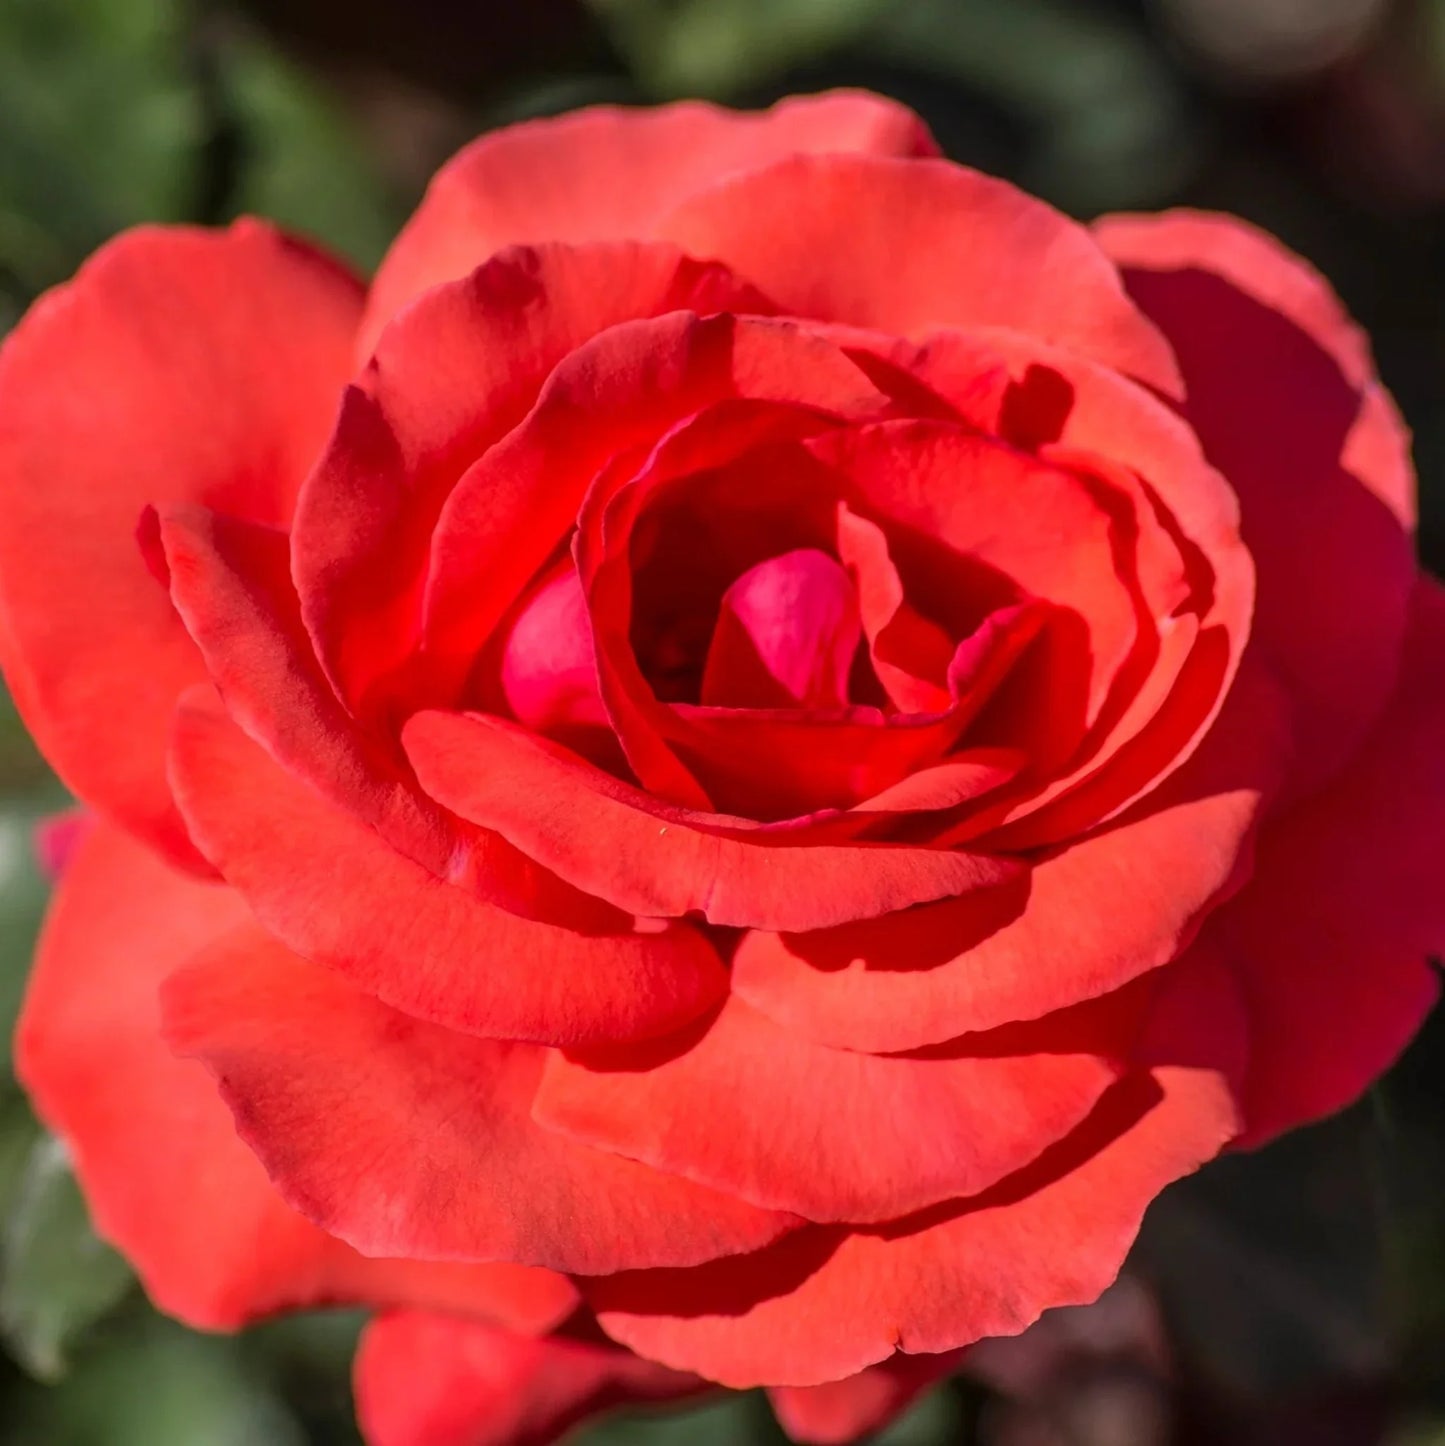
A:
<point x="549" y="665"/>
<point x="785" y="636"/>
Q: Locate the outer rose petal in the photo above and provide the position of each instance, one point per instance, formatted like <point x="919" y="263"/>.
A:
<point x="231" y="584"/>
<point x="856" y="1406"/>
<point x="434" y="1380"/>
<point x="168" y="1182"/>
<point x="1282" y="392"/>
<point x="407" y="1139"/>
<point x="610" y="174"/>
<point x="179" y="365"/>
<point x="862" y="1137"/>
<point x="439" y="951"/>
<point x="907" y="246"/>
<point x="1332" y="936"/>
<point x="826" y="1302"/>
<point x="610" y="839"/>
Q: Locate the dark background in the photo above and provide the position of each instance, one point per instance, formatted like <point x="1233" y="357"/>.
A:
<point x="1295" y="1297"/>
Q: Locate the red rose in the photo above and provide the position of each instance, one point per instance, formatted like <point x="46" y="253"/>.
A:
<point x="755" y="748"/>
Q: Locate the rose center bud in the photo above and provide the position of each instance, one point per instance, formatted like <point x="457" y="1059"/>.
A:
<point x="785" y="636"/>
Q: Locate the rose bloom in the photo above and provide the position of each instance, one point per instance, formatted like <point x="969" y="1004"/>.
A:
<point x="720" y="777"/>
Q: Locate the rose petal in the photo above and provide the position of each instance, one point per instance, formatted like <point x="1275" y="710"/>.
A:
<point x="1097" y="413"/>
<point x="231" y="584"/>
<point x="907" y="246"/>
<point x="1006" y="525"/>
<point x="441" y="952"/>
<point x="404" y="1138"/>
<point x="548" y="672"/>
<point x="741" y="487"/>
<point x="167" y="1181"/>
<point x="453" y="375"/>
<point x="785" y="636"/>
<point x="1282" y="391"/>
<point x="781" y="763"/>
<point x="738" y="464"/>
<point x="1102" y="911"/>
<point x="625" y="389"/>
<point x="433" y="1380"/>
<point x="179" y="365"/>
<point x="1333" y="936"/>
<point x="863" y="1137"/>
<point x="662" y="862"/>
<point x="827" y="1302"/>
<point x="842" y="1411"/>
<point x="611" y="174"/>
<point x="910" y="653"/>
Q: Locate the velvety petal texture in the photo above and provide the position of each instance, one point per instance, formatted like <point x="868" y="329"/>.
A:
<point x="1337" y="981"/>
<point x="612" y="174"/>
<point x="669" y="862"/>
<point x="855" y="1407"/>
<point x="448" y="955"/>
<point x="449" y="380"/>
<point x="718" y="781"/>
<point x="1119" y="902"/>
<point x="436" y="1380"/>
<point x="838" y="1300"/>
<point x="212" y="1240"/>
<point x="699" y="1107"/>
<point x="1283" y="394"/>
<point x="915" y="245"/>
<point x="405" y="1138"/>
<point x="179" y="366"/>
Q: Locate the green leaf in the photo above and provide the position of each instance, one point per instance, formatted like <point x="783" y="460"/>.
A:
<point x="19" y="1132"/>
<point x="56" y="1276"/>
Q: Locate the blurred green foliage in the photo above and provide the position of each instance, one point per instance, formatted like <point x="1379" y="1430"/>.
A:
<point x="1111" y="122"/>
<point x="299" y="162"/>
<point x="56" y="1278"/>
<point x="122" y="111"/>
<point x="718" y="47"/>
<point x="101" y="128"/>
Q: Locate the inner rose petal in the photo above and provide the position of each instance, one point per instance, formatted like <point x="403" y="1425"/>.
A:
<point x="680" y="552"/>
<point x="549" y="664"/>
<point x="910" y="653"/>
<point x="783" y="763"/>
<point x="785" y="636"/>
